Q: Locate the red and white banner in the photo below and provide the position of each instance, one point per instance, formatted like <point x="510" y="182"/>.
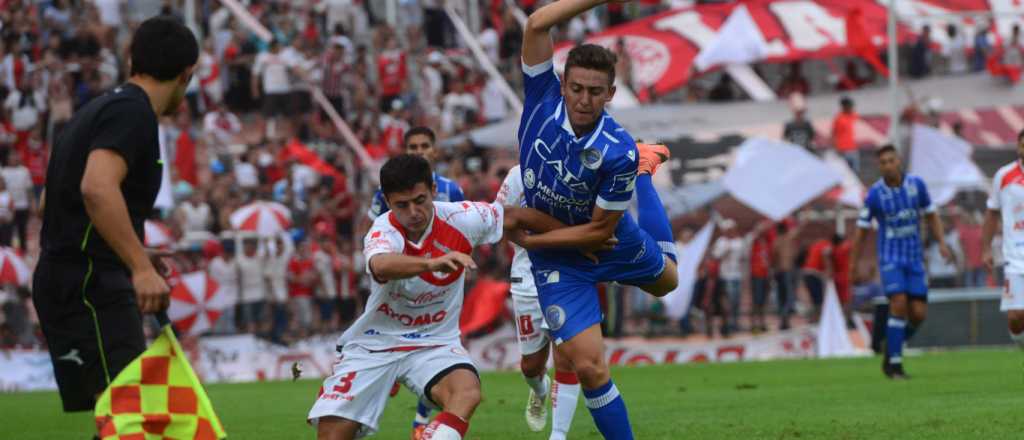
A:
<point x="663" y="46"/>
<point x="245" y="358"/>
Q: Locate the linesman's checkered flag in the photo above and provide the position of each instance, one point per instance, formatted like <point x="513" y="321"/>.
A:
<point x="159" y="395"/>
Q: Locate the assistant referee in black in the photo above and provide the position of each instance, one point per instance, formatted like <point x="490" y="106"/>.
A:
<point x="94" y="280"/>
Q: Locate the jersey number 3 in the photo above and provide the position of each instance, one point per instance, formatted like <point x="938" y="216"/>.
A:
<point x="345" y="383"/>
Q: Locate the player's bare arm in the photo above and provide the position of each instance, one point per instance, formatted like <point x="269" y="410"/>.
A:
<point x="593" y="235"/>
<point x="935" y="226"/>
<point x="101" y="193"/>
<point x="387" y="267"/>
<point x="988" y="231"/>
<point x="855" y="243"/>
<point x="537" y="44"/>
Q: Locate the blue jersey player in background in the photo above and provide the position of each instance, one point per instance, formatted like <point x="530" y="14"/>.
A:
<point x="896" y="202"/>
<point x="419" y="141"/>
<point x="581" y="168"/>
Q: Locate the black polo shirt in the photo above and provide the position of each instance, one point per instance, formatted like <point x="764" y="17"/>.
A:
<point x="122" y="121"/>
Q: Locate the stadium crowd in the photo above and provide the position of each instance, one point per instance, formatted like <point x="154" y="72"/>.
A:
<point x="249" y="124"/>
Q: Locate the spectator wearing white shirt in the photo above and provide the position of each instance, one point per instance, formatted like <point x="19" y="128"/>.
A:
<point x="489" y="41"/>
<point x="224" y="270"/>
<point x="246" y="174"/>
<point x="943" y="273"/>
<point x="252" y="282"/>
<point x="495" y="107"/>
<point x="301" y="67"/>
<point x="327" y="265"/>
<point x="278" y="256"/>
<point x="19" y="186"/>
<point x="459" y="109"/>
<point x="194" y="215"/>
<point x="730" y="249"/>
<point x="221" y="126"/>
<point x="270" y="75"/>
<point x="25" y="106"/>
<point x="6" y="214"/>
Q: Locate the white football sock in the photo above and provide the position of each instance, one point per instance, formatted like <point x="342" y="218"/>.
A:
<point x="565" y="392"/>
<point x="1018" y="338"/>
<point x="539" y="385"/>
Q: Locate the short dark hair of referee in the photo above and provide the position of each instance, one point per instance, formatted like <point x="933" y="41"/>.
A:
<point x="94" y="280"/>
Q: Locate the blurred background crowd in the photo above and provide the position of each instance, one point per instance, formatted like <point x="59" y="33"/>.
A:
<point x="252" y="131"/>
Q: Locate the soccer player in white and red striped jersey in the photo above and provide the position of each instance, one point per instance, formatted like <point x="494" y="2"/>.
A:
<point x="535" y="336"/>
<point x="417" y="256"/>
<point x="1007" y="198"/>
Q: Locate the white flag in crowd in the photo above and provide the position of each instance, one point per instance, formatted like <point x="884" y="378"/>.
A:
<point x="738" y="41"/>
<point x="775" y="178"/>
<point x="690" y="255"/>
<point x="944" y="163"/>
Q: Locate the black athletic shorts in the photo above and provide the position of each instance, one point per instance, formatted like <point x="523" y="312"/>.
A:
<point x="92" y="326"/>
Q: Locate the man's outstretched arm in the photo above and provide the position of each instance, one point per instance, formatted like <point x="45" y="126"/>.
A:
<point x="549" y="232"/>
<point x="537" y="45"/>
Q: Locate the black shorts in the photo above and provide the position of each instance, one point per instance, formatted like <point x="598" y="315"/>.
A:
<point x="276" y="104"/>
<point x="92" y="326"/>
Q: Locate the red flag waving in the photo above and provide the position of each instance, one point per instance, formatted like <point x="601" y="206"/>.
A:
<point x="185" y="159"/>
<point x="859" y="40"/>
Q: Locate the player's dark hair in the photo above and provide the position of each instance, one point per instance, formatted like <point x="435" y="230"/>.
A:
<point x="1020" y="136"/>
<point x="887" y="148"/>
<point x="403" y="172"/>
<point x="426" y="131"/>
<point x="163" y="48"/>
<point x="593" y="57"/>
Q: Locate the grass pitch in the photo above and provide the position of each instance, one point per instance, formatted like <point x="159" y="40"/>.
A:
<point x="955" y="395"/>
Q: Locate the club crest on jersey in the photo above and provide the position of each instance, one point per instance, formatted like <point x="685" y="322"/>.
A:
<point x="555" y="316"/>
<point x="592" y="158"/>
<point x="529" y="179"/>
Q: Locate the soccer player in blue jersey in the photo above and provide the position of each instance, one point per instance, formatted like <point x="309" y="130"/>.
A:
<point x="896" y="202"/>
<point x="420" y="141"/>
<point x="581" y="168"/>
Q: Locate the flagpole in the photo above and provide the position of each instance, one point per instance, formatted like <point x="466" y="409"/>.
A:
<point x="894" y="72"/>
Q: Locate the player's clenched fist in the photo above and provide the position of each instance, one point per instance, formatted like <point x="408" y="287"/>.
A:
<point x="451" y="262"/>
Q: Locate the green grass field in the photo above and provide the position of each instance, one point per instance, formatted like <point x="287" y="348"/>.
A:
<point x="957" y="395"/>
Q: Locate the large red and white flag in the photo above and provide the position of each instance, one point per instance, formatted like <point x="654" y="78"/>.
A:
<point x="738" y="41"/>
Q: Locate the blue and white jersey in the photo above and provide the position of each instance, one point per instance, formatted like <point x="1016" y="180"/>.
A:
<point x="898" y="211"/>
<point x="565" y="176"/>
<point x="447" y="191"/>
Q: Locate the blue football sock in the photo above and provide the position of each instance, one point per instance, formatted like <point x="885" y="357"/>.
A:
<point x="652" y="217"/>
<point x="609" y="412"/>
<point x="894" y="335"/>
<point x="422" y="414"/>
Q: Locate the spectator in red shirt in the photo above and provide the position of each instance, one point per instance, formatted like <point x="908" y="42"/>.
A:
<point x="391" y="72"/>
<point x="302" y="278"/>
<point x="843" y="133"/>
<point x="842" y="277"/>
<point x="816" y="269"/>
<point x="761" y="271"/>
<point x="969" y="230"/>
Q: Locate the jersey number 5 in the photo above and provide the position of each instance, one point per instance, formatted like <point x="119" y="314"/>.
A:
<point x="346" y="383"/>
